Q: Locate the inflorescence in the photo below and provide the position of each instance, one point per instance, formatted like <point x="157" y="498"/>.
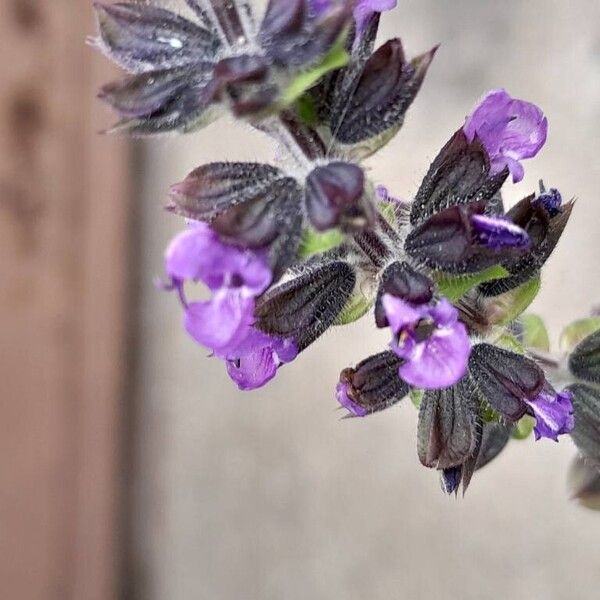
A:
<point x="289" y="251"/>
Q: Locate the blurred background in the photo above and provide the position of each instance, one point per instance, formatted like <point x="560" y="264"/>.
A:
<point x="132" y="468"/>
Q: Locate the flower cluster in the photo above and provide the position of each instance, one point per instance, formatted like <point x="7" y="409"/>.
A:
<point x="288" y="251"/>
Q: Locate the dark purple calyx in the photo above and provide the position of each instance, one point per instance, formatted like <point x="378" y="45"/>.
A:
<point x="335" y="197"/>
<point x="449" y="427"/>
<point x="248" y="204"/>
<point x="293" y="35"/>
<point x="402" y="281"/>
<point x="244" y="82"/>
<point x="584" y="361"/>
<point x="304" y="307"/>
<point x="382" y="94"/>
<point x="461" y="239"/>
<point x="372" y="386"/>
<point x="460" y="174"/>
<point x="544" y="218"/>
<point x="505" y="379"/>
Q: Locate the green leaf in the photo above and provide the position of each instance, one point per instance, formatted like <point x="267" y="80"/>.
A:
<point x="506" y="308"/>
<point x="416" y="397"/>
<point x="314" y="242"/>
<point x="523" y="428"/>
<point x="455" y="287"/>
<point x="389" y="212"/>
<point x="535" y="334"/>
<point x="336" y="58"/>
<point x="510" y="342"/>
<point x="306" y="110"/>
<point x="358" y="306"/>
<point x="576" y="332"/>
<point x="488" y="414"/>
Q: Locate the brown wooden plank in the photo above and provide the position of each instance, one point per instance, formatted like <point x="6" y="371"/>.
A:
<point x="63" y="253"/>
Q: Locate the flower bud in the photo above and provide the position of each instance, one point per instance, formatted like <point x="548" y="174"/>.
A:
<point x="372" y="386"/>
<point x="304" y="307"/>
<point x="449" y="425"/>
<point x="505" y="379"/>
<point x="335" y="197"/>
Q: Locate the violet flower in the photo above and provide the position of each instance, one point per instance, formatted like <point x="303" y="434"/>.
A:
<point x="433" y="343"/>
<point x="224" y="323"/>
<point x="509" y="129"/>
<point x="498" y="233"/>
<point x="553" y="414"/>
<point x="258" y="359"/>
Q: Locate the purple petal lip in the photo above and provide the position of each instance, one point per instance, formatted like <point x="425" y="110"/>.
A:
<point x="198" y="254"/>
<point x="432" y="341"/>
<point x="344" y="399"/>
<point x="224" y="324"/>
<point x="553" y="414"/>
<point x="259" y="359"/>
<point x="496" y="233"/>
<point x="510" y="130"/>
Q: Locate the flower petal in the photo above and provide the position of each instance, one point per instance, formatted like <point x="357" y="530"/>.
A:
<point x="440" y="361"/>
<point x="400" y="313"/>
<point x="254" y="370"/>
<point x="553" y="414"/>
<point x="221" y="324"/>
<point x="509" y="129"/>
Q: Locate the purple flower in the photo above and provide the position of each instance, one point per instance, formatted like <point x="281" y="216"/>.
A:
<point x="259" y="358"/>
<point x="234" y="275"/>
<point x="225" y="322"/>
<point x="433" y="343"/>
<point x="343" y="397"/>
<point x="553" y="414"/>
<point x="497" y="233"/>
<point x="509" y="129"/>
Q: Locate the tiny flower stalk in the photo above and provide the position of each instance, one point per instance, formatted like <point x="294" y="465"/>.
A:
<point x="288" y="251"/>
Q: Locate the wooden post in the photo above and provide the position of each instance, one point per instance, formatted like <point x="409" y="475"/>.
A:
<point x="64" y="200"/>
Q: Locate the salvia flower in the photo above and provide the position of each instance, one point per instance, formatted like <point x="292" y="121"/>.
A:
<point x="258" y="359"/>
<point x="553" y="414"/>
<point x="432" y="341"/>
<point x="372" y="386"/>
<point x="510" y="130"/>
<point x="235" y="277"/>
<point x="224" y="324"/>
<point x="288" y="252"/>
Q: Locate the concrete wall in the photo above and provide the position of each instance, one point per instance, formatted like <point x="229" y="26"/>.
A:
<point x="269" y="495"/>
